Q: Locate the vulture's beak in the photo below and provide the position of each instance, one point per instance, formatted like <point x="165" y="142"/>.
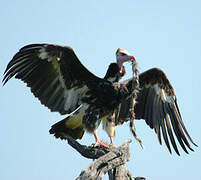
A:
<point x="126" y="58"/>
<point x="132" y="58"/>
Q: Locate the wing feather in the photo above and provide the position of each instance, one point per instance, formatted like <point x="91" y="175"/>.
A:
<point x="182" y="123"/>
<point x="176" y="129"/>
<point x="179" y="131"/>
<point x="54" y="74"/>
<point x="156" y="103"/>
<point x="148" y="107"/>
<point x="165" y="136"/>
<point x="171" y="134"/>
<point x="156" y="117"/>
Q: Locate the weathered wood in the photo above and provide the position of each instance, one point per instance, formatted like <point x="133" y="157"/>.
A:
<point x="120" y="173"/>
<point x="111" y="161"/>
<point x="89" y="152"/>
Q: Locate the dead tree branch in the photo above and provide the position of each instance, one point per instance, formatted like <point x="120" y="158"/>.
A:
<point x="109" y="161"/>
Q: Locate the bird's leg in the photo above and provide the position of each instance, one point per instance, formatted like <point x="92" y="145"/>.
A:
<point x="112" y="142"/>
<point x="112" y="129"/>
<point x="98" y="142"/>
<point x="109" y="127"/>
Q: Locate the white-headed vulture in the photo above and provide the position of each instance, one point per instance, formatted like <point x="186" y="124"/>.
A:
<point x="60" y="81"/>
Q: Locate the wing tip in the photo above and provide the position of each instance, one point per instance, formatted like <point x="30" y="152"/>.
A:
<point x="170" y="151"/>
<point x="195" y="144"/>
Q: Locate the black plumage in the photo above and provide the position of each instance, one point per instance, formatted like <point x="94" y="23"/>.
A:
<point x="156" y="103"/>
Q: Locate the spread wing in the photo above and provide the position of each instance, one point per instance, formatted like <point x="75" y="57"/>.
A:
<point x="157" y="105"/>
<point x="54" y="74"/>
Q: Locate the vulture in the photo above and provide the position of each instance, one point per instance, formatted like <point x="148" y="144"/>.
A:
<point x="61" y="82"/>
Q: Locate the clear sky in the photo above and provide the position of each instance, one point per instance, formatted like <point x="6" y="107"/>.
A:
<point x="165" y="34"/>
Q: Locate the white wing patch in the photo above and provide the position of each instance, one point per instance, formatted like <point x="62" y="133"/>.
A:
<point x="161" y="92"/>
<point x="43" y="54"/>
<point x="72" y="97"/>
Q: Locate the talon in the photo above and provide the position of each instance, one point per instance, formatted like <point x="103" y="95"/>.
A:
<point x="98" y="142"/>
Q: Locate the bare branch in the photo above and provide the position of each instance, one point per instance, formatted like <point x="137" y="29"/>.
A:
<point x="89" y="152"/>
<point x="110" y="161"/>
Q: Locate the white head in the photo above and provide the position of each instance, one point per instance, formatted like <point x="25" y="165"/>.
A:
<point x="123" y="56"/>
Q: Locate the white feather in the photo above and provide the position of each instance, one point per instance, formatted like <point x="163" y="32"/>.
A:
<point x="161" y="92"/>
<point x="71" y="98"/>
<point x="44" y="55"/>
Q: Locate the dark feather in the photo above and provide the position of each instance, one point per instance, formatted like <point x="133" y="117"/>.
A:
<point x="156" y="102"/>
<point x="171" y="134"/>
<point x="56" y="77"/>
<point x="156" y="117"/>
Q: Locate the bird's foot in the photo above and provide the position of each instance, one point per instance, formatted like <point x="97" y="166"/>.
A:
<point x="112" y="145"/>
<point x="111" y="142"/>
<point x="99" y="143"/>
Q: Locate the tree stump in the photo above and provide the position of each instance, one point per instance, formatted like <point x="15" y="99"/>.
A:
<point x="111" y="161"/>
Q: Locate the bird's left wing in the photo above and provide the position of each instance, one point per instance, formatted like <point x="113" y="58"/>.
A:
<point x="157" y="104"/>
<point x="54" y="74"/>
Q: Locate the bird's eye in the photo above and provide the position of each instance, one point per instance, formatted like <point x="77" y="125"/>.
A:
<point x="123" y="54"/>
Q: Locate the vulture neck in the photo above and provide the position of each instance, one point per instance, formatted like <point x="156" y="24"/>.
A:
<point x="114" y="73"/>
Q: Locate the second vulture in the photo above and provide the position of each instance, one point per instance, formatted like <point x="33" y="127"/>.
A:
<point x="60" y="81"/>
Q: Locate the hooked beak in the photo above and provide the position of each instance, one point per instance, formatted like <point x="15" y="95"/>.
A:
<point x="124" y="59"/>
<point x="132" y="58"/>
<point x="127" y="58"/>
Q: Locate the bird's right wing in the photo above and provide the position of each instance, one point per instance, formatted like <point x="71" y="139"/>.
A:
<point x="55" y="75"/>
<point x="157" y="104"/>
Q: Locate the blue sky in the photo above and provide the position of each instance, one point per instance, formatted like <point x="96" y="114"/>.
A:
<point x="158" y="33"/>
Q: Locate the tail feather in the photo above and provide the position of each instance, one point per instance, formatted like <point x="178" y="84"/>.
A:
<point x="70" y="126"/>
